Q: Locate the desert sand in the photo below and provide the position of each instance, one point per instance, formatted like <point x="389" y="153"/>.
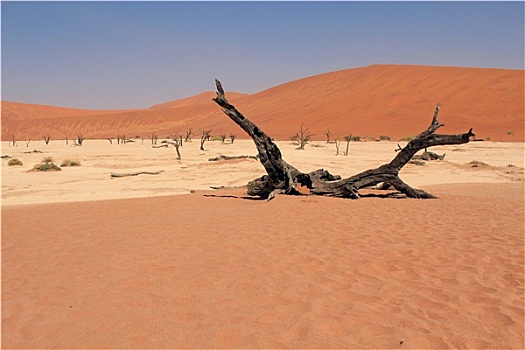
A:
<point x="163" y="261"/>
<point x="391" y="100"/>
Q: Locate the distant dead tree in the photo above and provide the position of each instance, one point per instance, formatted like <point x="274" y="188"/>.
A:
<point x="80" y="139"/>
<point x="47" y="138"/>
<point x="111" y="140"/>
<point x="13" y="140"/>
<point x="348" y="138"/>
<point x="154" y="137"/>
<point x="66" y="135"/>
<point x="206" y="134"/>
<point x="283" y="178"/>
<point x="328" y="134"/>
<point x="27" y="143"/>
<point x="223" y="137"/>
<point x="187" y="138"/>
<point x="232" y="137"/>
<point x="304" y="136"/>
<point x="337" y="143"/>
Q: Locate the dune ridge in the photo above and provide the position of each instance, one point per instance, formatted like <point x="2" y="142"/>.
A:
<point x="392" y="100"/>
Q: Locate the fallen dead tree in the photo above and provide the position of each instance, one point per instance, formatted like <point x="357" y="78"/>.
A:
<point x="136" y="173"/>
<point x="223" y="157"/>
<point x="283" y="178"/>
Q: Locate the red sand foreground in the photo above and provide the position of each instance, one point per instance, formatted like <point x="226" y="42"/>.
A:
<point x="194" y="271"/>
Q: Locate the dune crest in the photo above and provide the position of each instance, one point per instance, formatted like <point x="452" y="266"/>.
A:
<point x="390" y="100"/>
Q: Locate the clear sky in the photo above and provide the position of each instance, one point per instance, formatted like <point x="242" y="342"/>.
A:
<point x="113" y="55"/>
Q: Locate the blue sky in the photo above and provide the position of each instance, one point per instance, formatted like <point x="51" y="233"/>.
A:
<point x="113" y="55"/>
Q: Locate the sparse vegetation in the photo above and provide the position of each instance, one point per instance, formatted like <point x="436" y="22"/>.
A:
<point x="69" y="162"/>
<point x="13" y="140"/>
<point x="488" y="138"/>
<point x="14" y="161"/>
<point x="407" y="139"/>
<point x="384" y="138"/>
<point x="223" y="137"/>
<point x="47" y="138"/>
<point x="354" y="138"/>
<point x="232" y="137"/>
<point x="511" y="133"/>
<point x="46" y="165"/>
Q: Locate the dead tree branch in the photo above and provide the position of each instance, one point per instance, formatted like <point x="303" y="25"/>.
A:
<point x="282" y="177"/>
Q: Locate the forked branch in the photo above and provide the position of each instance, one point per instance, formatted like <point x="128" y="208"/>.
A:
<point x="283" y="177"/>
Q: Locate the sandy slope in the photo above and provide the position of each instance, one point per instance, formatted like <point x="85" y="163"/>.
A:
<point x="392" y="100"/>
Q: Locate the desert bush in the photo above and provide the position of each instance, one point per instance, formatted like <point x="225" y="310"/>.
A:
<point x="46" y="165"/>
<point x="510" y="133"/>
<point x="14" y="161"/>
<point x="68" y="162"/>
<point x="384" y="138"/>
<point x="407" y="139"/>
<point x="356" y="138"/>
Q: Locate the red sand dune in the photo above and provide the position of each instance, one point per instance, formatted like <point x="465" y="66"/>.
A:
<point x="392" y="100"/>
<point x="202" y="98"/>
<point x="333" y="273"/>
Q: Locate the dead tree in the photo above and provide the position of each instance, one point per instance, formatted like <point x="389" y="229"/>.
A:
<point x="328" y="134"/>
<point x="206" y="134"/>
<point x="283" y="178"/>
<point x="304" y="136"/>
<point x="13" y="140"/>
<point x="348" y="138"/>
<point x="27" y="143"/>
<point x="223" y="137"/>
<point x="154" y="138"/>
<point x="337" y="143"/>
<point x="80" y="139"/>
<point x="188" y="136"/>
<point x="47" y="138"/>
<point x="232" y="138"/>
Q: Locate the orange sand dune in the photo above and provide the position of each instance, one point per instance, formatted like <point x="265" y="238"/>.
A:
<point x="225" y="272"/>
<point x="23" y="111"/>
<point x="393" y="100"/>
<point x="202" y="98"/>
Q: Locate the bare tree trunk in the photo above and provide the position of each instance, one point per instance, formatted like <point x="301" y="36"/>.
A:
<point x="206" y="134"/>
<point x="282" y="177"/>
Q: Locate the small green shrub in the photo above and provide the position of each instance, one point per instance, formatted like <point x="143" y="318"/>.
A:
<point x="407" y="139"/>
<point x="356" y="138"/>
<point x="384" y="138"/>
<point x="46" y="165"/>
<point x="510" y="133"/>
<point x="68" y="162"/>
<point x="14" y="161"/>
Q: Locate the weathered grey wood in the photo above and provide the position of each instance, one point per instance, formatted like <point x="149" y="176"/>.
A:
<point x="283" y="177"/>
<point x="136" y="173"/>
<point x="223" y="157"/>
